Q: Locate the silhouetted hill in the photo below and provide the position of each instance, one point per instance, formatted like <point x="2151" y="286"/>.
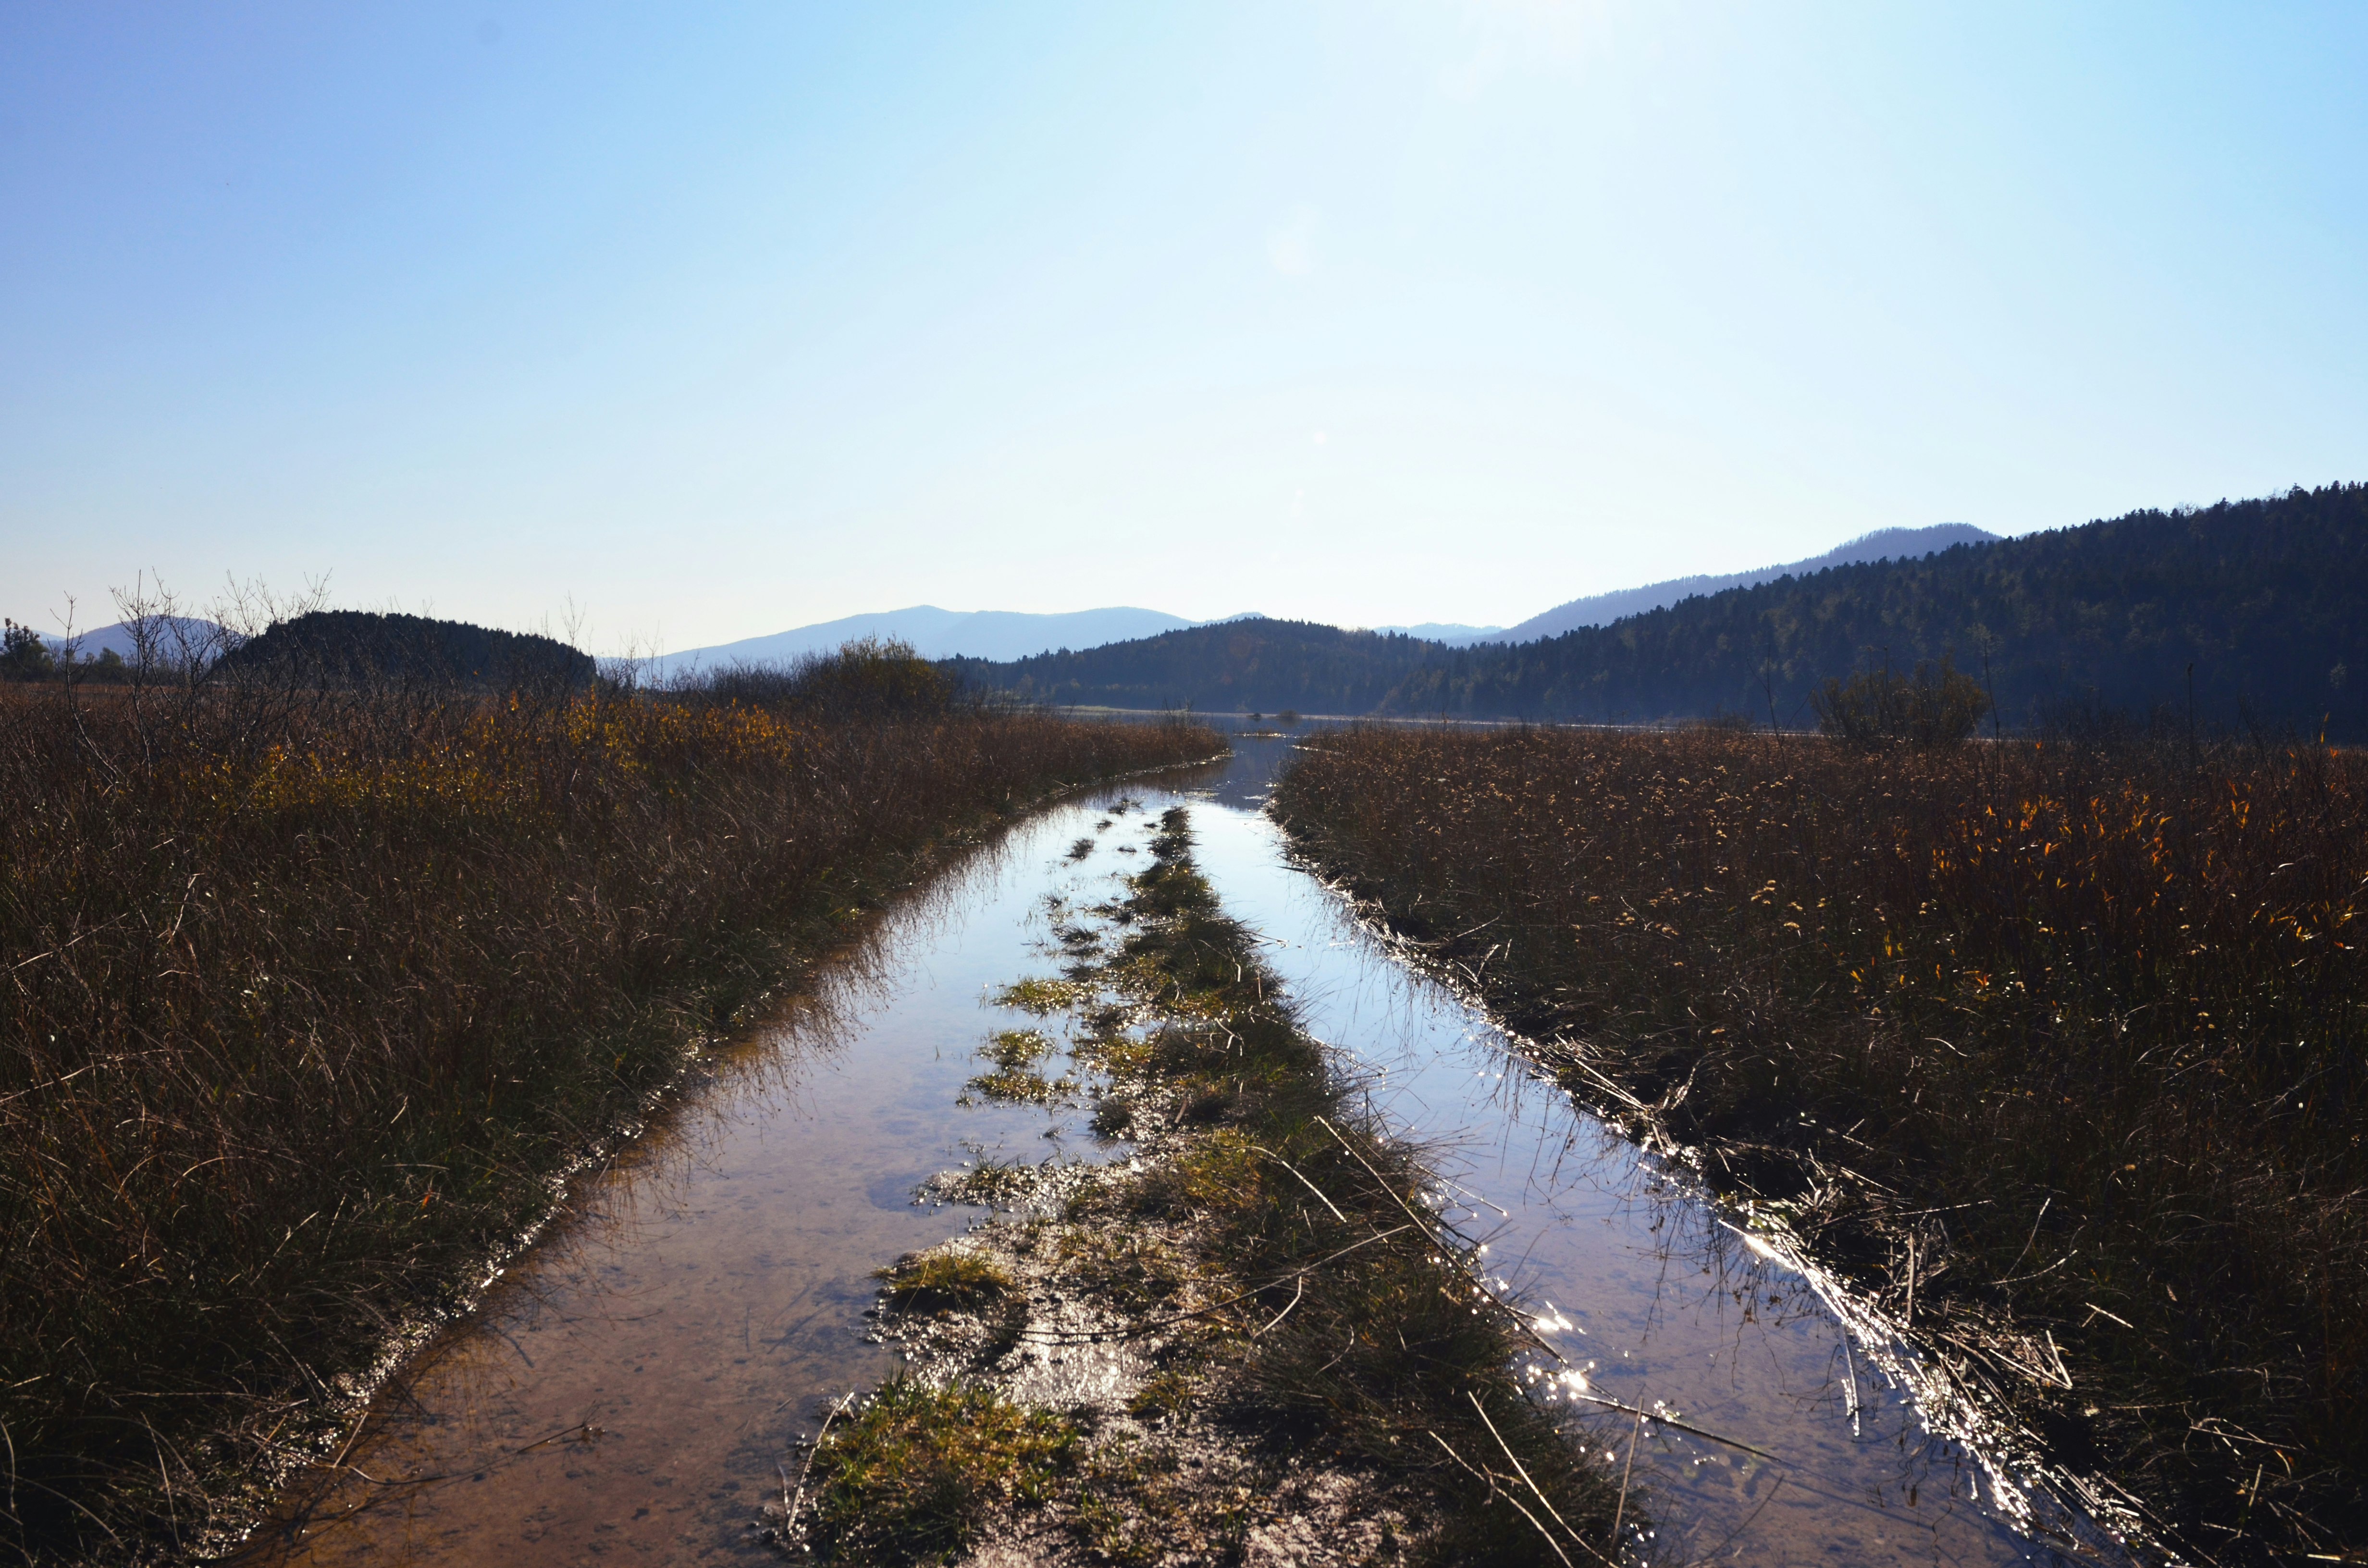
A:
<point x="346" y="647"/>
<point x="1602" y="609"/>
<point x="2268" y="600"/>
<point x="1255" y="665"/>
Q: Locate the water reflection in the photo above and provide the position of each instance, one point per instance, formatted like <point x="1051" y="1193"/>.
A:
<point x="631" y="1389"/>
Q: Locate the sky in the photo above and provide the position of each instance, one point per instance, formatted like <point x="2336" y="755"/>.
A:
<point x="712" y="319"/>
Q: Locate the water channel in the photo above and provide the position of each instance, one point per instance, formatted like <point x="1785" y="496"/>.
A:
<point x="628" y="1390"/>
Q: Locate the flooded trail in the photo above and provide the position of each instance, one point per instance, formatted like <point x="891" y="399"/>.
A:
<point x="628" y="1390"/>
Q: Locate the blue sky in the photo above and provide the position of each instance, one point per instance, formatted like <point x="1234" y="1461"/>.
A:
<point x="719" y="318"/>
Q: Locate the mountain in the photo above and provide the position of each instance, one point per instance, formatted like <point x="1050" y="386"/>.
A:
<point x="2265" y="600"/>
<point x="1602" y="609"/>
<point x="177" y="636"/>
<point x="1245" y="665"/>
<point x="939" y="634"/>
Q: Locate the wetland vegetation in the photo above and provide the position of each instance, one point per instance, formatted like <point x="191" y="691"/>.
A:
<point x="318" y="983"/>
<point x="2055" y="1045"/>
<point x="1256" y="1336"/>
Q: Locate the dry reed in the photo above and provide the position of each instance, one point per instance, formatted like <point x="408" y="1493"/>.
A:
<point x="309" y="994"/>
<point x="2058" y="1037"/>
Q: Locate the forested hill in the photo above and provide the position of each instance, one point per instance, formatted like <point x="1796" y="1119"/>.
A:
<point x="1258" y="665"/>
<point x="2267" y="599"/>
<point x="358" y="647"/>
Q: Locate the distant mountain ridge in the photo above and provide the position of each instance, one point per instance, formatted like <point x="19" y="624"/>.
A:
<point x="173" y="636"/>
<point x="1002" y="636"/>
<point x="1602" y="609"/>
<point x="936" y="633"/>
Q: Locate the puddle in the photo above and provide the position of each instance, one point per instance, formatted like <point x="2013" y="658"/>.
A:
<point x="629" y="1390"/>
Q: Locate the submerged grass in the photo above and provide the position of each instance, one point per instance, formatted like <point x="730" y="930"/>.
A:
<point x="310" y="993"/>
<point x="1270" y="1257"/>
<point x="2054" y="1043"/>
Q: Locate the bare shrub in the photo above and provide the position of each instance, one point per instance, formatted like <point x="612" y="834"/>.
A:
<point x="1875" y="708"/>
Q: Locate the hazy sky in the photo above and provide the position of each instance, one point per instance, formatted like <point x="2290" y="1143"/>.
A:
<point x="725" y="318"/>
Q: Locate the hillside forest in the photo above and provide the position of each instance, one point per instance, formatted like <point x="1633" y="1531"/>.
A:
<point x="2239" y="616"/>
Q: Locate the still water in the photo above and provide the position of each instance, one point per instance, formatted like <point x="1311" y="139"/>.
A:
<point x="627" y="1391"/>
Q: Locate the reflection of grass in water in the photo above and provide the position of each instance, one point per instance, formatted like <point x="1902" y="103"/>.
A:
<point x="913" y="1477"/>
<point x="1081" y="848"/>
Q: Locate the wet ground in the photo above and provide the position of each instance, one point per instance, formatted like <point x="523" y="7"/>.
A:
<point x="629" y="1390"/>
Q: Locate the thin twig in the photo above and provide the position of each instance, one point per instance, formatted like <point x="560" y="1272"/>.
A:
<point x="1296" y="1290"/>
<point x="1620" y="1511"/>
<point x="555" y="1437"/>
<point x="1311" y="1187"/>
<point x="1490" y="1482"/>
<point x="789" y="1517"/>
<point x="1522" y="1470"/>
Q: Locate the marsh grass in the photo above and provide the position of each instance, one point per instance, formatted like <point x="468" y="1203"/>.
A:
<point x="2050" y="1040"/>
<point x="943" y="1282"/>
<point x="314" y="989"/>
<point x="1358" y="1335"/>
<point x="913" y="1476"/>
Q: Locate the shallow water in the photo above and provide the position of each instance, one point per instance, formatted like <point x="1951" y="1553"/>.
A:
<point x="631" y="1387"/>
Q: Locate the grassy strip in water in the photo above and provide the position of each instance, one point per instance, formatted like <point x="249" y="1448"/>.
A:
<point x="1280" y="1334"/>
<point x="311" y="991"/>
<point x="905" y="1480"/>
<point x="2052" y="1044"/>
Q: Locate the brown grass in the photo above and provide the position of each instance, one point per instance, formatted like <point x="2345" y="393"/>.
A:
<point x="309" y="995"/>
<point x="2075" y="1026"/>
